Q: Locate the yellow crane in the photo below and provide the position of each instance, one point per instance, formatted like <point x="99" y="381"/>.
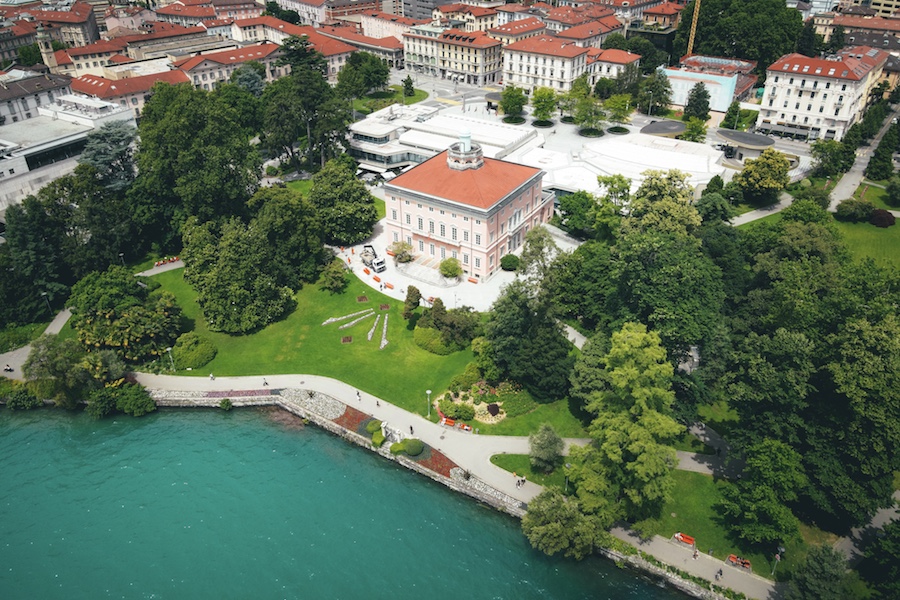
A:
<point x="690" y="46"/>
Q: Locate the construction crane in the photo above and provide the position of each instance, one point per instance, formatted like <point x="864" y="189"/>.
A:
<point x="690" y="46"/>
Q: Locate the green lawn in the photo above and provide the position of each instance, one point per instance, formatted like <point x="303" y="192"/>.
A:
<point x="774" y="218"/>
<point x="380" y="208"/>
<point x="300" y="185"/>
<point x="301" y="344"/>
<point x="874" y="194"/>
<point x="690" y="443"/>
<point x="720" y="417"/>
<point x="520" y="464"/>
<point x="381" y="99"/>
<point x="16" y="337"/>
<point x="865" y="240"/>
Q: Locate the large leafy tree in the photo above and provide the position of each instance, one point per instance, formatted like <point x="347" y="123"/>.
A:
<point x="763" y="178"/>
<point x="819" y="577"/>
<point x="655" y="93"/>
<point x="544" y="102"/>
<point x="110" y="150"/>
<point x="299" y="53"/>
<point x="362" y="73"/>
<point x="831" y="157"/>
<point x="589" y="112"/>
<point x="882" y="565"/>
<point x="282" y="128"/>
<point x="113" y="310"/>
<point x="546" y="448"/>
<point x="761" y="31"/>
<point x="556" y="524"/>
<point x="344" y="204"/>
<point x="512" y="101"/>
<point x="697" y="103"/>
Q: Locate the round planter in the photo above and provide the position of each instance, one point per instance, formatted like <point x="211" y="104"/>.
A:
<point x="568" y="120"/>
<point x="513" y="120"/>
<point x="591" y="133"/>
<point x="542" y="124"/>
<point x="618" y="130"/>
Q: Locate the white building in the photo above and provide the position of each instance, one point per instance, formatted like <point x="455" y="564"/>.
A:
<point x="811" y="98"/>
<point x="543" y="61"/>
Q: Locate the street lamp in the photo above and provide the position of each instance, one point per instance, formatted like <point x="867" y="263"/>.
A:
<point x="171" y="360"/>
<point x="44" y="294"/>
<point x="777" y="559"/>
<point x="122" y="258"/>
<point x="429" y="402"/>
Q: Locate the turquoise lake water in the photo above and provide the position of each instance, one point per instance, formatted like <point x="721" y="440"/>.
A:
<point x="207" y="504"/>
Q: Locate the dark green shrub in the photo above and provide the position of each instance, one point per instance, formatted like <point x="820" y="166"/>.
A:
<point x="516" y="401"/>
<point x="226" y="404"/>
<point x="431" y="340"/>
<point x="455" y="410"/>
<point x="378" y="439"/>
<point x="882" y="218"/>
<point x="192" y="351"/>
<point x="102" y="402"/>
<point x="398" y="447"/>
<point x="854" y="210"/>
<point x="22" y="399"/>
<point x="271" y="170"/>
<point x="509" y="262"/>
<point x="413" y="447"/>
<point x="373" y="426"/>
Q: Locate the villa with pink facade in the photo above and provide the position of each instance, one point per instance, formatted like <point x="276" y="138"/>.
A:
<point x="459" y="204"/>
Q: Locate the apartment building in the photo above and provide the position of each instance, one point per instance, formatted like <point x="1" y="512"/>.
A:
<point x="543" y="61"/>
<point x="23" y="91"/>
<point x="812" y="98"/>
<point x="379" y="24"/>
<point x="131" y="92"/>
<point x="472" y="18"/>
<point x="208" y="70"/>
<point x="515" y="31"/>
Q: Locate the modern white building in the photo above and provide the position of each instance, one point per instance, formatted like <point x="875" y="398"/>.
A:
<point x="811" y="98"/>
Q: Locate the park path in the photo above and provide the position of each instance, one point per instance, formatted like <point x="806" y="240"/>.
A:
<point x="850" y="181"/>
<point x="16" y="358"/>
<point x="850" y="545"/>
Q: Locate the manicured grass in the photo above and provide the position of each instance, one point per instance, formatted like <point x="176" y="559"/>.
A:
<point x="520" y="464"/>
<point x="556" y="414"/>
<point x="865" y="240"/>
<point x="380" y="208"/>
<point x="774" y="218"/>
<point x="300" y="185"/>
<point x="690" y="443"/>
<point x="301" y="344"/>
<point x="874" y="194"/>
<point x="381" y="99"/>
<point x="16" y="337"/>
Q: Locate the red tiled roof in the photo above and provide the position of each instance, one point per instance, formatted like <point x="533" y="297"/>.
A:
<point x="469" y="39"/>
<point x="62" y="57"/>
<point x="868" y="23"/>
<point x="666" y="9"/>
<point x="229" y="57"/>
<point x="119" y="59"/>
<point x="586" y="30"/>
<point x="325" y="45"/>
<point x="475" y="11"/>
<point x="567" y="15"/>
<point x="617" y="57"/>
<point x="512" y="8"/>
<point x="101" y="87"/>
<point x="550" y="46"/>
<point x="520" y="26"/>
<point x="101" y="47"/>
<point x="480" y="188"/>
<point x="345" y="34"/>
<point x="217" y="22"/>
<point x="194" y="12"/>
<point x="396" y="18"/>
<point x="854" y="64"/>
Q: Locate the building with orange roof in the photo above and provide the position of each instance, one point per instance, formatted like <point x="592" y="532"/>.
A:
<point x="520" y="29"/>
<point x="462" y="205"/>
<point x="14" y="35"/>
<point x="465" y="17"/>
<point x="471" y="57"/>
<point x="389" y="49"/>
<point x="512" y="12"/>
<point x="74" y="27"/>
<point x="630" y="9"/>
<point x="206" y="71"/>
<point x="128" y="17"/>
<point x="592" y="33"/>
<point x="609" y="63"/>
<point x="664" y="16"/>
<point x="812" y="98"/>
<point x="826" y="22"/>
<point x="188" y="16"/>
<point x="379" y="24"/>
<point x="543" y="61"/>
<point x="270" y="29"/>
<point x="131" y="92"/>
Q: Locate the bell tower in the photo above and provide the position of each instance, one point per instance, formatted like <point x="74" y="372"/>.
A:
<point x="48" y="56"/>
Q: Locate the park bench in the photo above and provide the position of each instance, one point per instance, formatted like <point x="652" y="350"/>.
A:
<point x="685" y="539"/>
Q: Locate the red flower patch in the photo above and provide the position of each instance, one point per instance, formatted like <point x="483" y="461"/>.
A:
<point x="351" y="419"/>
<point x="438" y="463"/>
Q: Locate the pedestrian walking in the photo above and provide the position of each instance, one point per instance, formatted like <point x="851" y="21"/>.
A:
<point x="358" y="396"/>
<point x="265" y="383"/>
<point x="211" y="376"/>
<point x="411" y="430"/>
<point x="377" y="403"/>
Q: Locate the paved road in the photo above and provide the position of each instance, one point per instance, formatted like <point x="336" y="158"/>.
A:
<point x="852" y="178"/>
<point x="16" y="358"/>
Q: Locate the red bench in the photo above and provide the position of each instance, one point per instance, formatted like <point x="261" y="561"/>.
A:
<point x="685" y="539"/>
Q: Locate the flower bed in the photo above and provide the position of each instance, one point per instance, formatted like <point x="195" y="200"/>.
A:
<point x="351" y="419"/>
<point x="433" y="460"/>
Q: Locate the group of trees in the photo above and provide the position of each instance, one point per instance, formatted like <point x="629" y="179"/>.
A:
<point x="833" y="157"/>
<point x="798" y="338"/>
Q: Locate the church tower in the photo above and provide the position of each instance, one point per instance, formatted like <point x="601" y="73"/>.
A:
<point x="47" y="53"/>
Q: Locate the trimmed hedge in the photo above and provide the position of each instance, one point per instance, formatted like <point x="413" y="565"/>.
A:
<point x="193" y="351"/>
<point x="413" y="447"/>
<point x="373" y="426"/>
<point x="854" y="210"/>
<point x="398" y="447"/>
<point x="431" y="340"/>
<point x="453" y="410"/>
<point x="226" y="404"/>
<point x="509" y="262"/>
<point x="377" y="439"/>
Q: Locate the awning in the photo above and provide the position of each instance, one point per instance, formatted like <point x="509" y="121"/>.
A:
<point x="372" y="168"/>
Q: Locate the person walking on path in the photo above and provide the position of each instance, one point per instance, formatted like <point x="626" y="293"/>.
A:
<point x="265" y="383"/>
<point x="411" y="430"/>
<point x="358" y="396"/>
